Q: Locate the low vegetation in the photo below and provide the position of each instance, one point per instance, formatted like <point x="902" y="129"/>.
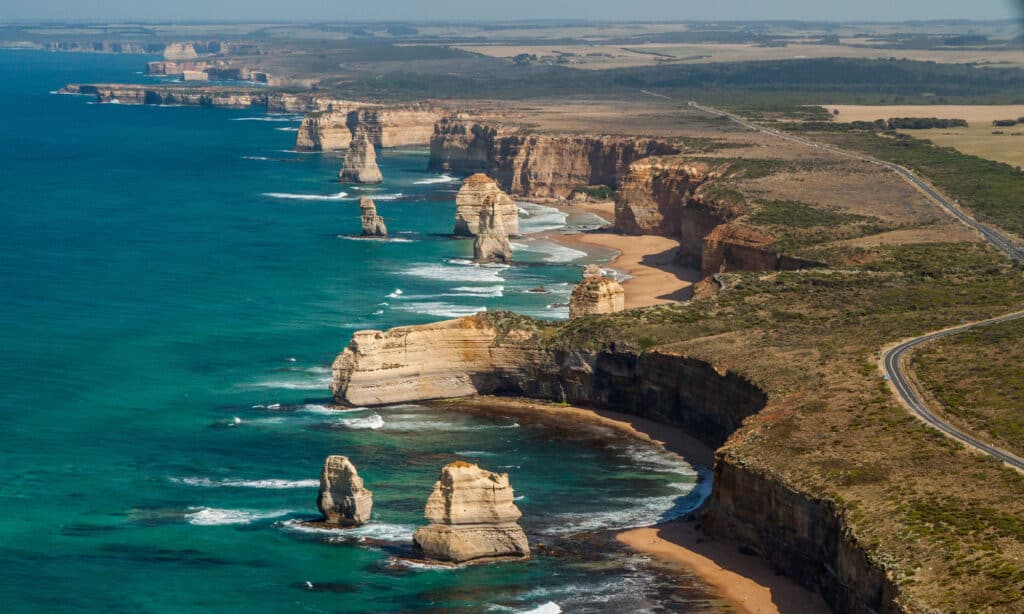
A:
<point x="977" y="379"/>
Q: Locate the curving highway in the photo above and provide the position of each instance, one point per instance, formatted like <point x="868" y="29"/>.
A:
<point x="892" y="364"/>
<point x="892" y="359"/>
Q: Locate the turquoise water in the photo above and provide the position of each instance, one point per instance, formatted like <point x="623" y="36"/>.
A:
<point x="175" y="284"/>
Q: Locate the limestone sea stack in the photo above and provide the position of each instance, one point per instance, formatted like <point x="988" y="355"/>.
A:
<point x="343" y="499"/>
<point x="491" y="243"/>
<point x="472" y="518"/>
<point x="360" y="164"/>
<point x="373" y="224"/>
<point x="596" y="294"/>
<point x="476" y="192"/>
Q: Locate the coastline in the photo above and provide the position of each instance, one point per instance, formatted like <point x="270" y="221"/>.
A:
<point x="746" y="582"/>
<point x="654" y="275"/>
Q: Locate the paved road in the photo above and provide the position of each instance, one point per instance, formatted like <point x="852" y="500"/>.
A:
<point x="993" y="236"/>
<point x="892" y="362"/>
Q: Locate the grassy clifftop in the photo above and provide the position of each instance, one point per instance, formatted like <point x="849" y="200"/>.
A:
<point x="943" y="521"/>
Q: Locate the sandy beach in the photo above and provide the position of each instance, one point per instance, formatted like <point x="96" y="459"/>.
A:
<point x="650" y="261"/>
<point x="746" y="582"/>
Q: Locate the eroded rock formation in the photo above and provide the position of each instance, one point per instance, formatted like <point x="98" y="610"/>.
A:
<point x="373" y="224"/>
<point x="343" y="499"/>
<point x="446" y="359"/>
<point x="332" y="129"/>
<point x="477" y="192"/>
<point x="360" y="164"/>
<point x="800" y="534"/>
<point x="534" y="165"/>
<point x="491" y="243"/>
<point x="202" y="96"/>
<point x="472" y="517"/>
<point x="596" y="294"/>
<point x="653" y="194"/>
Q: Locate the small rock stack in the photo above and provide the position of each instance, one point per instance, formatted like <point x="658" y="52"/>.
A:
<point x="472" y="518"/>
<point x="596" y="294"/>
<point x="477" y="192"/>
<point x="343" y="499"/>
<point x="373" y="224"/>
<point x="360" y="164"/>
<point x="491" y="243"/>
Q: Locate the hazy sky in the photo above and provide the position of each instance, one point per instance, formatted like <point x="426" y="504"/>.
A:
<point x="638" y="10"/>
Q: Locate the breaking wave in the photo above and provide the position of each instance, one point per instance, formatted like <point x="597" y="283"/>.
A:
<point x="446" y="178"/>
<point x="290" y="196"/>
<point x="272" y="483"/>
<point x="212" y="516"/>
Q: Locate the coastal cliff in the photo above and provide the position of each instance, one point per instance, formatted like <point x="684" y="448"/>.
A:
<point x="332" y="129"/>
<point x="674" y="197"/>
<point x="800" y="535"/>
<point x="535" y="165"/>
<point x="202" y="96"/>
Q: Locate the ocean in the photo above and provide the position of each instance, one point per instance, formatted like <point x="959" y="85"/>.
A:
<point x="175" y="285"/>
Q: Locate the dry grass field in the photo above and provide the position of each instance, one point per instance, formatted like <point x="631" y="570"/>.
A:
<point x="599" y="56"/>
<point x="980" y="138"/>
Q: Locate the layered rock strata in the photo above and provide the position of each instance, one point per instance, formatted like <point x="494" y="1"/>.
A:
<point x="673" y="197"/>
<point x="477" y="192"/>
<point x="360" y="164"/>
<point x="533" y="165"/>
<point x="491" y="243"/>
<point x="332" y="130"/>
<point x="472" y="517"/>
<point x="596" y="294"/>
<point x="373" y="224"/>
<point x="343" y="500"/>
<point x="802" y="536"/>
<point x="203" y="96"/>
<point x="447" y="359"/>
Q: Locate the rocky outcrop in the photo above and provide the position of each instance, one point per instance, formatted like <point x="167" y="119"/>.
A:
<point x="360" y="164"/>
<point x="180" y="51"/>
<point x="596" y="294"/>
<point x="804" y="537"/>
<point x="332" y="129"/>
<point x="534" y="165"/>
<point x="673" y="197"/>
<point x="491" y="243"/>
<point x="652" y="195"/>
<point x="343" y="499"/>
<point x="479" y="191"/>
<point x="198" y="96"/>
<point x="104" y="47"/>
<point x="202" y="96"/>
<point x="373" y="224"/>
<point x="447" y="359"/>
<point x="326" y="130"/>
<point x="472" y="517"/>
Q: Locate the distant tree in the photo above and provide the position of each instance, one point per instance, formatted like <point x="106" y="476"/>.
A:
<point x="1004" y="123"/>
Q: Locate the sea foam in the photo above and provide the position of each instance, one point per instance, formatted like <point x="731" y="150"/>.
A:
<point x="321" y="197"/>
<point x="211" y="516"/>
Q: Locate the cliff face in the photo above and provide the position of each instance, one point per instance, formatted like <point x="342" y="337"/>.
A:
<point x="802" y="536"/>
<point x="202" y="96"/>
<point x="103" y="47"/>
<point x="653" y="194"/>
<point x="479" y="191"/>
<point x="537" y="166"/>
<point x="324" y="130"/>
<point x="332" y="129"/>
<point x="672" y="197"/>
<point x="446" y="359"/>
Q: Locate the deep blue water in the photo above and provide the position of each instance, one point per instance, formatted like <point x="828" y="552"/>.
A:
<point x="174" y="284"/>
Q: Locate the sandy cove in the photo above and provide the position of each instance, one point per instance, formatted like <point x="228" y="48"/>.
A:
<point x="746" y="582"/>
<point x="650" y="260"/>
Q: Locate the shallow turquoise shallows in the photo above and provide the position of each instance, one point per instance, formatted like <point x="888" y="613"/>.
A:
<point x="174" y="284"/>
